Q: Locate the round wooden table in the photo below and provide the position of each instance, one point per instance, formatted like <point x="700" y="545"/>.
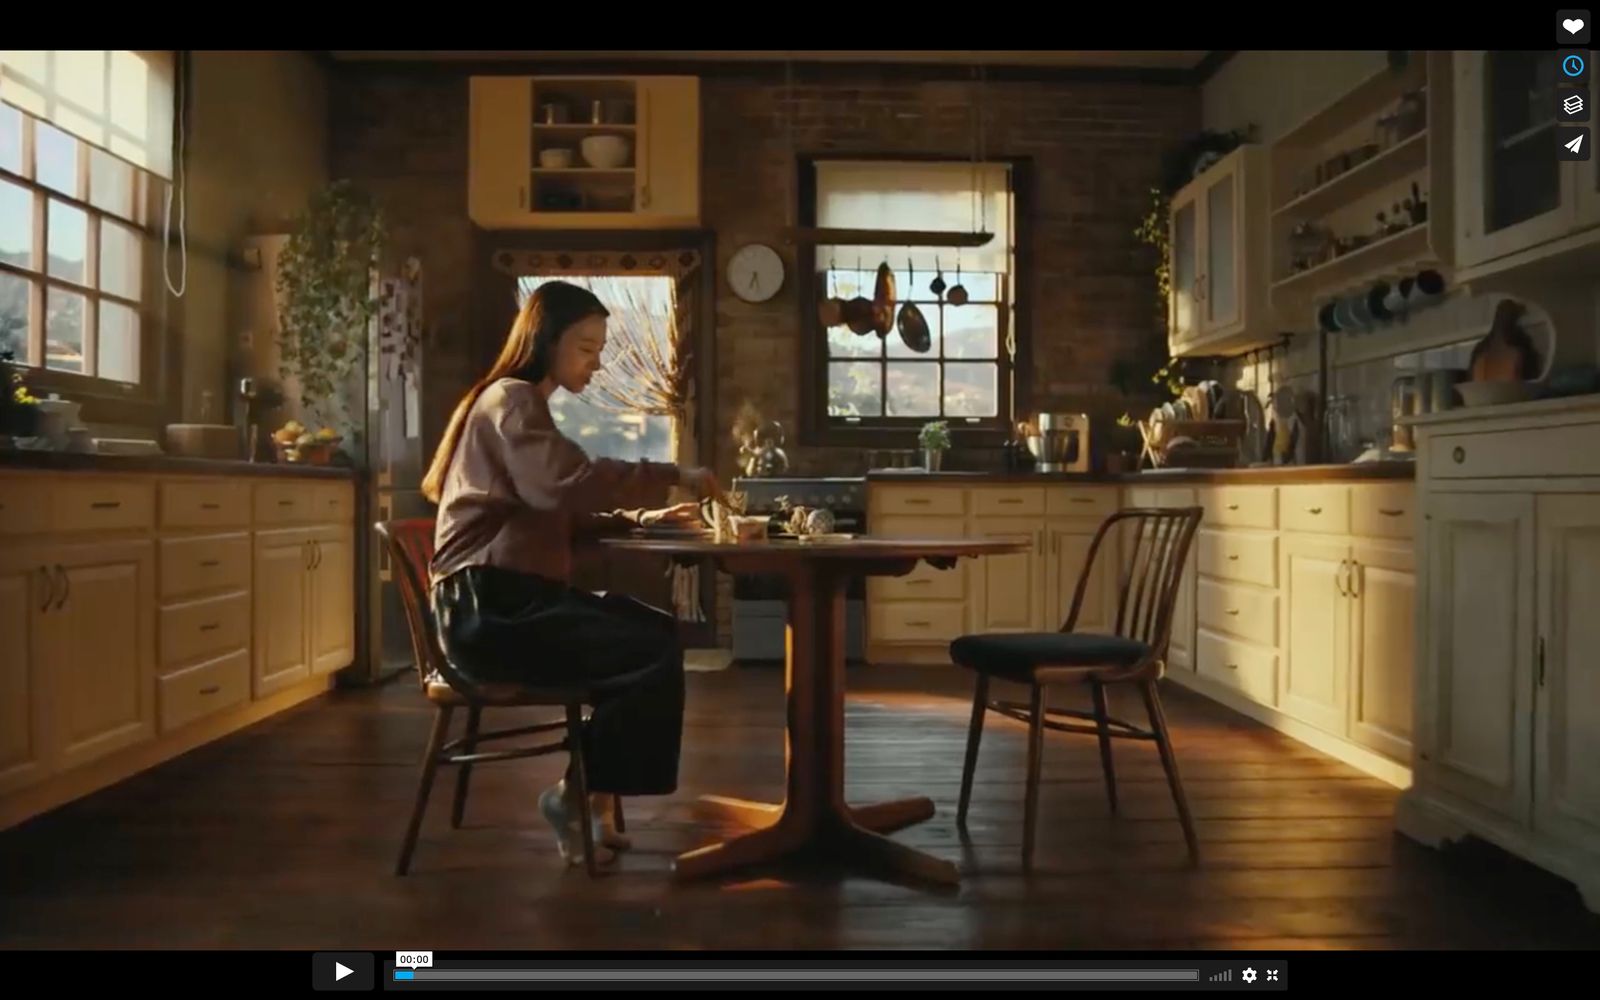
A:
<point x="814" y="819"/>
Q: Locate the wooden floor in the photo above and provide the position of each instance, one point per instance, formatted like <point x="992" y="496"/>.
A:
<point x="284" y="837"/>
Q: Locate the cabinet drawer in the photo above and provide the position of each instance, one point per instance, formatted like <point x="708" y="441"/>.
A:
<point x="333" y="504"/>
<point x="207" y="563"/>
<point x="922" y="584"/>
<point x="23" y="507"/>
<point x="929" y="622"/>
<point x="1239" y="610"/>
<point x="285" y="503"/>
<point x="1242" y="556"/>
<point x="1324" y="508"/>
<point x="202" y="689"/>
<point x="1573" y="450"/>
<point x="921" y="500"/>
<point x="1098" y="504"/>
<point x="1251" y="669"/>
<point x="101" y="505"/>
<point x="198" y="628"/>
<point x="205" y="505"/>
<point x="1014" y="501"/>
<point x="1383" y="511"/>
<point x="1241" y="506"/>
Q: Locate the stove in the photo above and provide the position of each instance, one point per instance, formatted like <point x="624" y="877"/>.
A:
<point x="760" y="602"/>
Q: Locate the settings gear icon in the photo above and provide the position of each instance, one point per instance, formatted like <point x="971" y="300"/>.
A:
<point x="1249" y="975"/>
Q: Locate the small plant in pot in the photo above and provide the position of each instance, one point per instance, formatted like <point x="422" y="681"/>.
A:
<point x="19" y="408"/>
<point x="1126" y="445"/>
<point x="327" y="298"/>
<point x="935" y="441"/>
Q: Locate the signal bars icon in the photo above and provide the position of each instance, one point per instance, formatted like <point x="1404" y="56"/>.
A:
<point x="1225" y="976"/>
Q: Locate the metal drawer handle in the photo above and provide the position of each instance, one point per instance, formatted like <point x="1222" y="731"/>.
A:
<point x="1460" y="454"/>
<point x="1233" y="506"/>
<point x="1388" y="512"/>
<point x="210" y="628"/>
<point x="1010" y="500"/>
<point x="213" y="689"/>
<point x="918" y="583"/>
<point x="209" y="563"/>
<point x="1083" y="499"/>
<point x="1234" y="557"/>
<point x="285" y="503"/>
<point x="1233" y="611"/>
<point x="1233" y="666"/>
<point x="106" y="504"/>
<point x="210" y="506"/>
<point x="921" y="501"/>
<point x="1314" y="510"/>
<point x="920" y="624"/>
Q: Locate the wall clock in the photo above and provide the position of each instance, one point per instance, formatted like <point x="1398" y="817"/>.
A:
<point x="755" y="272"/>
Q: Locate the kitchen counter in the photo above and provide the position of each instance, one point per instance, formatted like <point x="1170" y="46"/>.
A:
<point x="65" y="461"/>
<point x="1349" y="472"/>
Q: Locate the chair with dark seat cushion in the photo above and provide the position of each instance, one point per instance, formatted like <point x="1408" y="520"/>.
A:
<point x="1149" y="547"/>
<point x="410" y="546"/>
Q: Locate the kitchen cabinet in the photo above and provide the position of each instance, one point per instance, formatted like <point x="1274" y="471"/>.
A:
<point x="1218" y="259"/>
<point x="1181" y="647"/>
<point x="1508" y="684"/>
<point x="1516" y="202"/>
<point x="517" y="122"/>
<point x="132" y="606"/>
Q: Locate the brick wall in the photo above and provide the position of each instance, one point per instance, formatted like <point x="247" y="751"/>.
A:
<point x="1096" y="150"/>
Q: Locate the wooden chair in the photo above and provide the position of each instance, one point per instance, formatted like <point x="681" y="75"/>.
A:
<point x="410" y="545"/>
<point x="1155" y="544"/>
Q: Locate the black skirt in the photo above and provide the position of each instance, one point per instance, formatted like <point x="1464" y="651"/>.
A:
<point x="500" y="626"/>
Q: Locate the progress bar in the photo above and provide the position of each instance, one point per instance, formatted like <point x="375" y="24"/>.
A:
<point x="799" y="975"/>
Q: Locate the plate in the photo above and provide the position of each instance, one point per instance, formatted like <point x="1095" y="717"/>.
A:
<point x="832" y="536"/>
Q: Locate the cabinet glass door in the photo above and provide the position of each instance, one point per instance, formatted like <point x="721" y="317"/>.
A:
<point x="1523" y="174"/>
<point x="1185" y="268"/>
<point x="1220" y="280"/>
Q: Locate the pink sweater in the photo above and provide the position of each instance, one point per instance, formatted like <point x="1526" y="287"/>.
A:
<point x="519" y="493"/>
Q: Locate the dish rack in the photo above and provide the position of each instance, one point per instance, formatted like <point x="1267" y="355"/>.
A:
<point x="1199" y="444"/>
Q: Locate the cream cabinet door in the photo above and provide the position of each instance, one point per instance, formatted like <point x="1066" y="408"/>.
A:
<point x="99" y="649"/>
<point x="1010" y="587"/>
<point x="1567" y="727"/>
<point x="1066" y="555"/>
<point x="1383" y="583"/>
<point x="333" y="612"/>
<point x="1475" y="738"/>
<point x="668" y="176"/>
<point x="500" y="157"/>
<point x="281" y="597"/>
<point x="1316" y="630"/>
<point x="24" y="752"/>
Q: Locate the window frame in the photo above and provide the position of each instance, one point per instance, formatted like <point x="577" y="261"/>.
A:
<point x="1015" y="374"/>
<point x="147" y="403"/>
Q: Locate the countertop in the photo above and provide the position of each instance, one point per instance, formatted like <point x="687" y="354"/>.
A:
<point x="1350" y="472"/>
<point x="65" y="461"/>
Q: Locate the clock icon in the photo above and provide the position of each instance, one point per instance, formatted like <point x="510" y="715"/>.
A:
<point x="755" y="272"/>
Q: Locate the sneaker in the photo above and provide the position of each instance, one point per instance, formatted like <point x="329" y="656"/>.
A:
<point x="561" y="813"/>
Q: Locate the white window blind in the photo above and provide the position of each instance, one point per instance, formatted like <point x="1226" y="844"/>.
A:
<point x="905" y="194"/>
<point x="118" y="100"/>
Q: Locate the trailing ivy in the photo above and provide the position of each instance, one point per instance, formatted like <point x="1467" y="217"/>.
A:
<point x="327" y="296"/>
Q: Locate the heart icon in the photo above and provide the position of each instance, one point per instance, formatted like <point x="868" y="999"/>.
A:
<point x="1573" y="25"/>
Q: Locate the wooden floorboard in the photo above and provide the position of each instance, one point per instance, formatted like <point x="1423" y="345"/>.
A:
<point x="284" y="836"/>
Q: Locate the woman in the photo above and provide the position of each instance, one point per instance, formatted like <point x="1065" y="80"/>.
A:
<point x="514" y="497"/>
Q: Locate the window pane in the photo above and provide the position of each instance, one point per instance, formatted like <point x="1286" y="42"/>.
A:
<point x="606" y="434"/>
<point x="842" y="343"/>
<point x="897" y="346"/>
<point x="971" y="331"/>
<point x="121" y="265"/>
<point x="855" y="389"/>
<point x="14" y="307"/>
<point x="913" y="389"/>
<point x="971" y="390"/>
<point x="847" y="283"/>
<point x="118" y="347"/>
<point x="981" y="287"/>
<point x="110" y="184"/>
<point x="55" y="158"/>
<point x="10" y="139"/>
<point x="16" y="225"/>
<point x="63" y="330"/>
<point x="67" y="237"/>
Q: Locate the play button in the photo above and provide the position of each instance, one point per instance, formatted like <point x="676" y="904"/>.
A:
<point x="343" y="970"/>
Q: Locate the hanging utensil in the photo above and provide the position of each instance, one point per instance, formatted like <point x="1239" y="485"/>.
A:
<point x="883" y="299"/>
<point x="911" y="323"/>
<point x="958" y="291"/>
<point x="937" y="285"/>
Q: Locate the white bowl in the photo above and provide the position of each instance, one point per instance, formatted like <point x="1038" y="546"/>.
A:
<point x="606" y="152"/>
<point x="555" y="159"/>
<point x="1494" y="393"/>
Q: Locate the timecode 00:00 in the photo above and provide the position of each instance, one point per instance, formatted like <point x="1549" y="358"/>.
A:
<point x="413" y="959"/>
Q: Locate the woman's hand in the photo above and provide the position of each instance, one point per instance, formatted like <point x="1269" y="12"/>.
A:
<point x="675" y="516"/>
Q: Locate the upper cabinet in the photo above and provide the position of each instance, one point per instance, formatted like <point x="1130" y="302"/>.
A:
<point x="1217" y="300"/>
<point x="1361" y="192"/>
<point x="584" y="152"/>
<point x="1518" y="202"/>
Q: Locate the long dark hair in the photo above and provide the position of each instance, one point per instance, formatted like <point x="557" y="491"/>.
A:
<point x="549" y="311"/>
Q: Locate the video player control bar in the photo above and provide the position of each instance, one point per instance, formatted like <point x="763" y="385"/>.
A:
<point x="791" y="975"/>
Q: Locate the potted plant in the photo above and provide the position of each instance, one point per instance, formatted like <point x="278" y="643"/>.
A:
<point x="935" y="441"/>
<point x="19" y="408"/>
<point x="1127" y="443"/>
<point x="328" y="296"/>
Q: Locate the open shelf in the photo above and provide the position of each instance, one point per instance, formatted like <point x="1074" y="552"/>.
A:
<point x="1391" y="165"/>
<point x="1394" y="252"/>
<point x="583" y="171"/>
<point x="1358" y="105"/>
<point x="575" y="127"/>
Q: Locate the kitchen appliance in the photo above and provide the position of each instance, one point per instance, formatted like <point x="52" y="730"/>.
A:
<point x="1404" y="401"/>
<point x="760" y="603"/>
<point x="1063" y="442"/>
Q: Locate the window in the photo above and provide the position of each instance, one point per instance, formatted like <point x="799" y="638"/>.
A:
<point x="74" y="258"/>
<point x="867" y="386"/>
<point x="639" y="305"/>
